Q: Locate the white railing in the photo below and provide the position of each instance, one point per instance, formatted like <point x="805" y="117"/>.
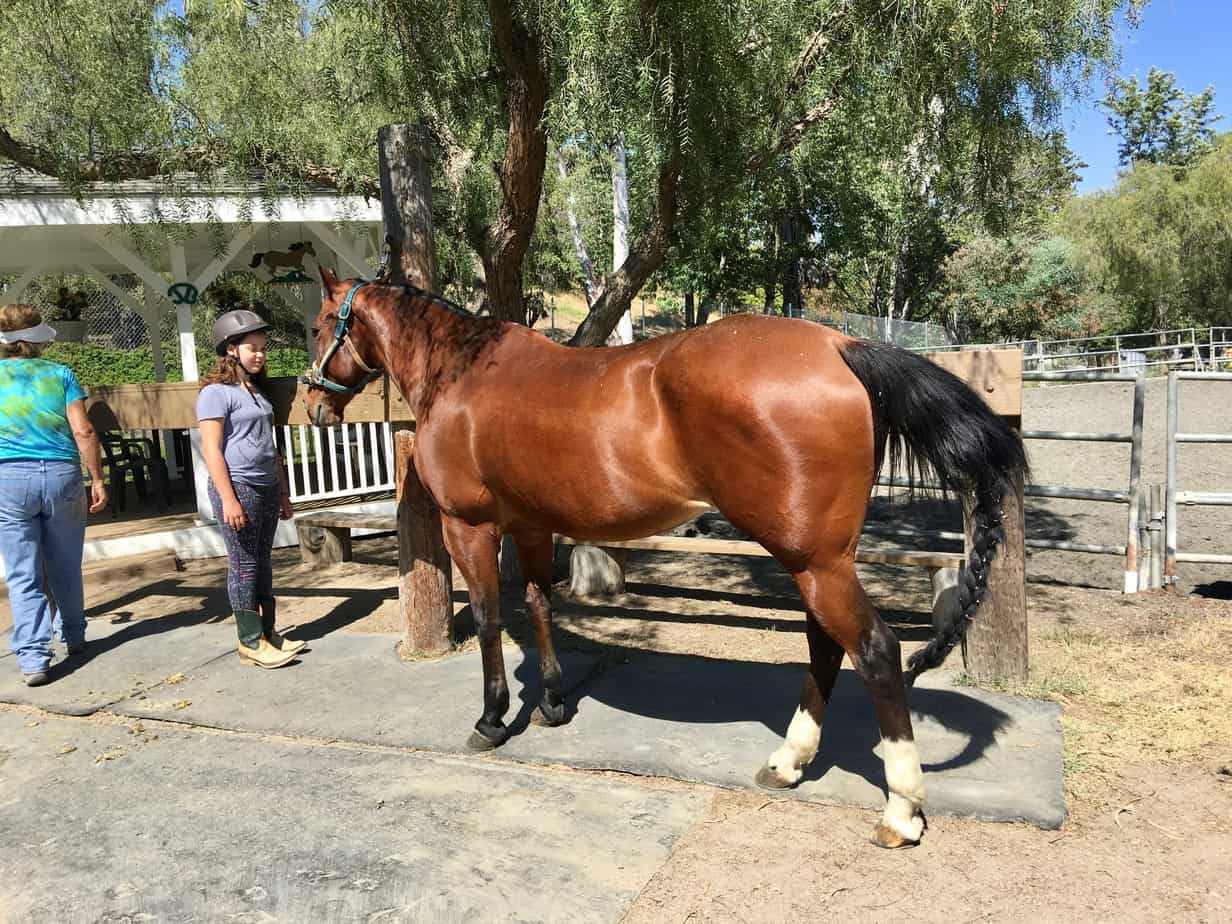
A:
<point x="337" y="461"/>
<point x="1122" y="353"/>
<point x="1219" y="349"/>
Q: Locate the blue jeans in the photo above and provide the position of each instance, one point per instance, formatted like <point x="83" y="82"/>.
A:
<point x="42" y="530"/>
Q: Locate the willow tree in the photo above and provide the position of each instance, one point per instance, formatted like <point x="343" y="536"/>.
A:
<point x="707" y="97"/>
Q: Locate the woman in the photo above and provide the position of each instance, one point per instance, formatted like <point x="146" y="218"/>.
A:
<point x="44" y="436"/>
<point x="248" y="486"/>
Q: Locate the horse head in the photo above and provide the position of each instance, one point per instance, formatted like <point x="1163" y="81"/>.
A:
<point x="347" y="357"/>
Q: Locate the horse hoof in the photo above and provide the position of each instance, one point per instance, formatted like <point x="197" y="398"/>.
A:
<point x="892" y="839"/>
<point x="478" y="741"/>
<point x="770" y="778"/>
<point x="551" y="716"/>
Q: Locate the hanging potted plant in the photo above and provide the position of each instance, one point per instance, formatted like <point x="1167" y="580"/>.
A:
<point x="66" y="316"/>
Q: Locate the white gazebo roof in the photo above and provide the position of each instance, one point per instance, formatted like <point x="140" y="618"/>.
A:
<point x="199" y="232"/>
<point x="45" y="228"/>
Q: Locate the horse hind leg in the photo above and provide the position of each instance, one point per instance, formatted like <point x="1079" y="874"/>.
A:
<point x="833" y="594"/>
<point x="535" y="556"/>
<point x="784" y="768"/>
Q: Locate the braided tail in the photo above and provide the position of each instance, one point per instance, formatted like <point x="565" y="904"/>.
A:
<point x="929" y="421"/>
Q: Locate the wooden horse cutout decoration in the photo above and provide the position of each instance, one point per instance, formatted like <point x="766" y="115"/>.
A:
<point x="781" y="424"/>
<point x="291" y="261"/>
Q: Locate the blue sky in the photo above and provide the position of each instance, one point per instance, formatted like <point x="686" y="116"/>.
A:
<point x="1190" y="38"/>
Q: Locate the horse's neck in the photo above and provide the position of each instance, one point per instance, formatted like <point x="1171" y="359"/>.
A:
<point x="433" y="345"/>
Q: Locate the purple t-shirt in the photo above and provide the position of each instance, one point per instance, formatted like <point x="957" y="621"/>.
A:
<point x="247" y="432"/>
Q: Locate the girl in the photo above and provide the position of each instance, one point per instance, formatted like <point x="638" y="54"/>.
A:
<point x="248" y="487"/>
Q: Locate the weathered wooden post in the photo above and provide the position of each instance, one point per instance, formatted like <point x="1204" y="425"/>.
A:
<point x="996" y="646"/>
<point x="406" y="204"/>
<point x="425" y="573"/>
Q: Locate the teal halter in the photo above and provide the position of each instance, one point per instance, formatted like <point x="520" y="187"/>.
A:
<point x="316" y="375"/>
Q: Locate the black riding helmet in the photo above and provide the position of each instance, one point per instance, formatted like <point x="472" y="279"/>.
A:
<point x="235" y="325"/>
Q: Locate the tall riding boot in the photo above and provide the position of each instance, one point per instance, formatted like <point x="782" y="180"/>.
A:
<point x="253" y="647"/>
<point x="268" y="610"/>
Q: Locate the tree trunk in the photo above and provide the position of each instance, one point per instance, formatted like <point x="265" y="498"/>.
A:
<point x="575" y="231"/>
<point x="689" y="319"/>
<point x="645" y="257"/>
<point x="789" y="251"/>
<point x="703" y="312"/>
<point x="770" y="279"/>
<point x="520" y="172"/>
<point x="620" y="229"/>
<point x="406" y="204"/>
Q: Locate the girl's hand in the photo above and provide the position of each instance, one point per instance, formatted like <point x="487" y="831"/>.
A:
<point x="285" y="512"/>
<point x="233" y="514"/>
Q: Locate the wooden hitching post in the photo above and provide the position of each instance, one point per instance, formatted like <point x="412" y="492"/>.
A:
<point x="425" y="572"/>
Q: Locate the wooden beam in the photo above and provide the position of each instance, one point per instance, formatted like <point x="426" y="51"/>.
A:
<point x="124" y="297"/>
<point x="744" y="547"/>
<point x="14" y="292"/>
<point x="221" y="262"/>
<point x="328" y="237"/>
<point x="147" y="273"/>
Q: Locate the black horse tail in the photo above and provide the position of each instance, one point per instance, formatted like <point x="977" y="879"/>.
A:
<point x="930" y="421"/>
<point x="256" y="260"/>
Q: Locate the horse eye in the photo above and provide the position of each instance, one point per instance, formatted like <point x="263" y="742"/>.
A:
<point x="314" y="333"/>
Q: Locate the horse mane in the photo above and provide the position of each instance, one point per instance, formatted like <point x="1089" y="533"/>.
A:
<point x="452" y="340"/>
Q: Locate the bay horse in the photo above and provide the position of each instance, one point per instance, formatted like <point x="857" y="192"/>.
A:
<point x="780" y="424"/>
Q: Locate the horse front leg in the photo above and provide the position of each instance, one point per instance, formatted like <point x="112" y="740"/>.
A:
<point x="474" y="549"/>
<point x="535" y="554"/>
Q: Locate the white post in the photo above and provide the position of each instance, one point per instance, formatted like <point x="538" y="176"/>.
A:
<point x="188" y="367"/>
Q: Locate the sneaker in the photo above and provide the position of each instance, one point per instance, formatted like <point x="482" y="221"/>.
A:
<point x="36" y="679"/>
<point x="75" y="648"/>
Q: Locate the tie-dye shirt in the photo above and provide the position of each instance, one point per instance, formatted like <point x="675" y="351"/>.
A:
<point x="34" y="398"/>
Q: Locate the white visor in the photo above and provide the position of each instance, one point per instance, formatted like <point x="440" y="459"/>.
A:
<point x="40" y="334"/>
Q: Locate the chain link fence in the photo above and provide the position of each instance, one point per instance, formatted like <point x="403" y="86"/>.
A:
<point x="107" y="342"/>
<point x="911" y="335"/>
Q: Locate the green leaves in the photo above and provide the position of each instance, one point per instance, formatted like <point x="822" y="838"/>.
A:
<point x="1161" y="243"/>
<point x="1159" y="123"/>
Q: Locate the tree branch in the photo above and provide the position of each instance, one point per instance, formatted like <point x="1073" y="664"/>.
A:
<point x="794" y="133"/>
<point x="148" y="165"/>
<point x="136" y="165"/>
<point x="645" y="256"/>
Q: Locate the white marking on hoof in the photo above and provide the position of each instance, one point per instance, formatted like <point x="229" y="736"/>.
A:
<point x="905" y="781"/>
<point x="798" y="748"/>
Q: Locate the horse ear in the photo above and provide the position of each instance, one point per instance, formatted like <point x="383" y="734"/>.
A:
<point x="328" y="279"/>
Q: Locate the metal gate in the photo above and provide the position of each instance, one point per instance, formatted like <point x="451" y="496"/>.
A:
<point x="1177" y="498"/>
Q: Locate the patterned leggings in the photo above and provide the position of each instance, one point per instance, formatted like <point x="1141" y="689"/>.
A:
<point x="250" y="575"/>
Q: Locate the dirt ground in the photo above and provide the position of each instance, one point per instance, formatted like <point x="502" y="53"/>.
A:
<point x="1143" y="681"/>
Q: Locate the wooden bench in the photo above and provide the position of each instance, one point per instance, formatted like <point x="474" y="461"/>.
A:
<point x="606" y="575"/>
<point x="745" y="547"/>
<point x="325" y="537"/>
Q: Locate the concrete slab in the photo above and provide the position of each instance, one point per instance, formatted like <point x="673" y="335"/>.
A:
<point x="123" y="659"/>
<point x="352" y="687"/>
<point x="202" y="826"/>
<point x="985" y="755"/>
